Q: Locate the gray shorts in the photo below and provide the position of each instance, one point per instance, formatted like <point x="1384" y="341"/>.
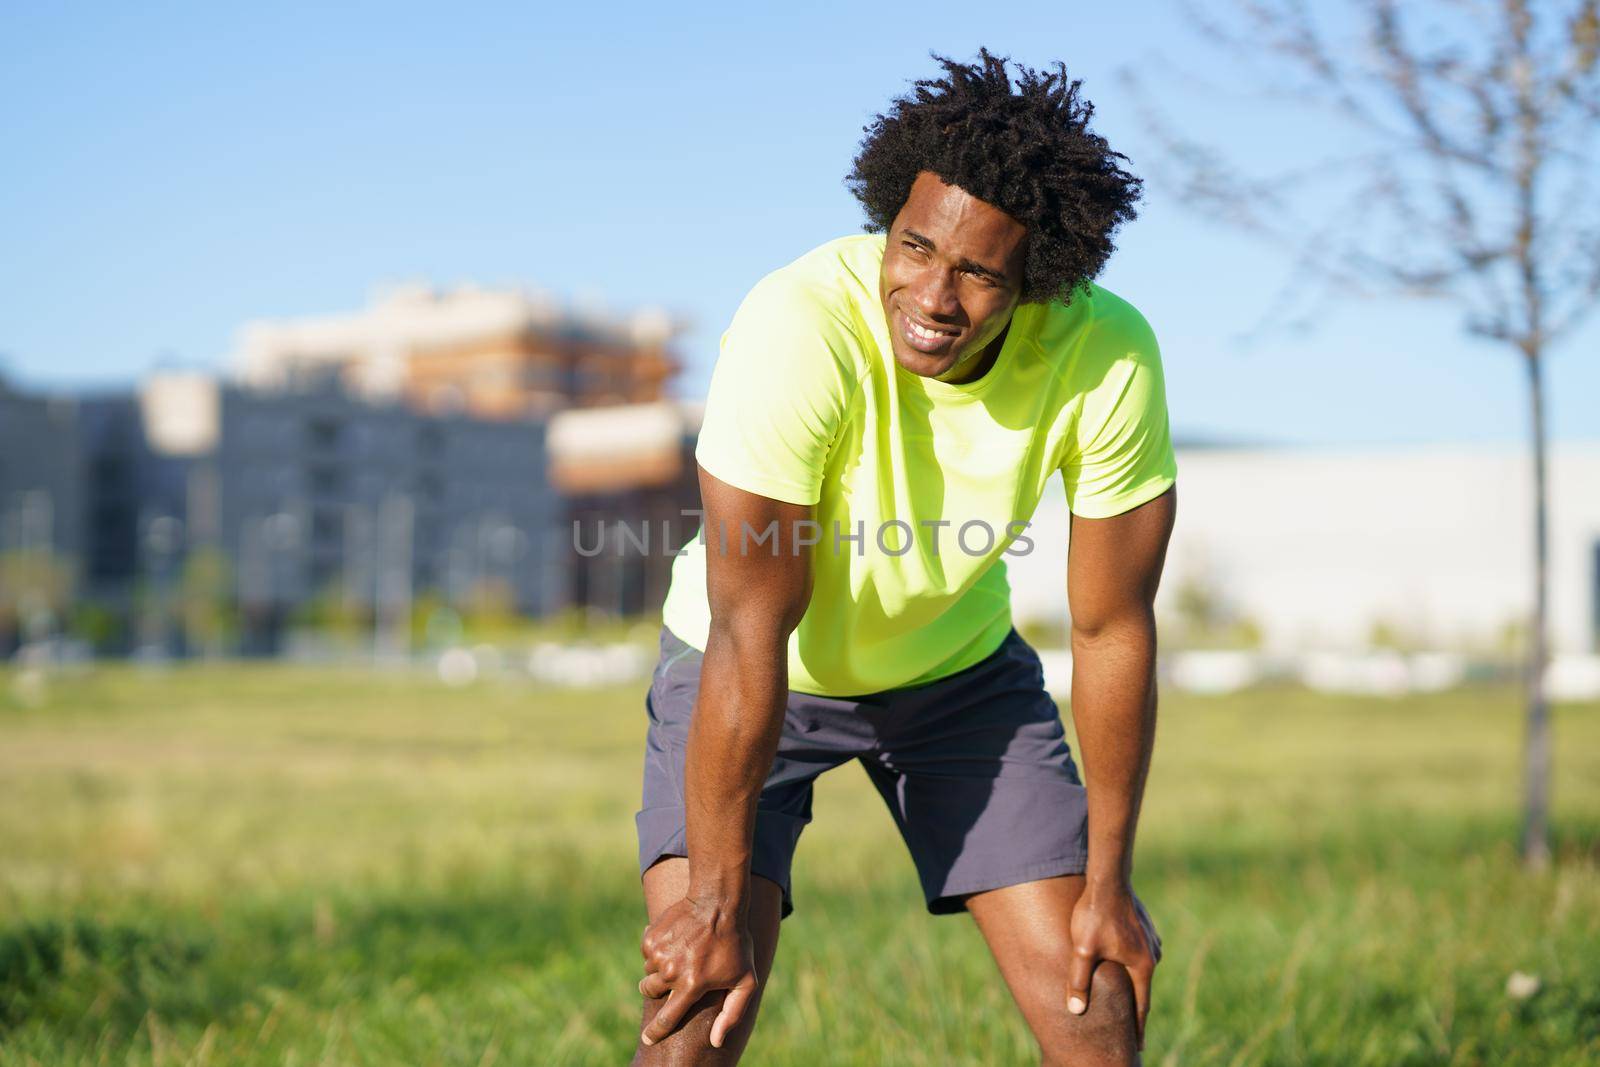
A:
<point x="974" y="767"/>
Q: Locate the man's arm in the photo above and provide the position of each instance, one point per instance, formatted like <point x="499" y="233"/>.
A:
<point x="757" y="595"/>
<point x="1114" y="566"/>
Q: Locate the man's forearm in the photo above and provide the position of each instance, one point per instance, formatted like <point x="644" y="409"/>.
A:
<point x="733" y="738"/>
<point x="1114" y="711"/>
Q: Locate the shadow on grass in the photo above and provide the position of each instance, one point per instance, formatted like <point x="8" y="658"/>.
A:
<point x="87" y="972"/>
<point x="38" y="959"/>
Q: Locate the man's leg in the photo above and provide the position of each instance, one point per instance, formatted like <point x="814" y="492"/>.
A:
<point x="1028" y="927"/>
<point x="665" y="883"/>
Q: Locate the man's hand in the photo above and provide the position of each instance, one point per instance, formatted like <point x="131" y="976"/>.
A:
<point x="697" y="947"/>
<point x="1106" y="926"/>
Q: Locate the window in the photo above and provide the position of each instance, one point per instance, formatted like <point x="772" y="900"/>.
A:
<point x="322" y="433"/>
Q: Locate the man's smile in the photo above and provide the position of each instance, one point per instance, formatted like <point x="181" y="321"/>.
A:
<point x="923" y="336"/>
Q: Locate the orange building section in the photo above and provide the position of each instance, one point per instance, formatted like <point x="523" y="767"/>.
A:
<point x="648" y="470"/>
<point x="537" y="373"/>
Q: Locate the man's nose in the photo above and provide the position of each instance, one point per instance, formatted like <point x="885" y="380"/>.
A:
<point x="936" y="297"/>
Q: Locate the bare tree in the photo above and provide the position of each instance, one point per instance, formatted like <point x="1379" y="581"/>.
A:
<point x="1465" y="172"/>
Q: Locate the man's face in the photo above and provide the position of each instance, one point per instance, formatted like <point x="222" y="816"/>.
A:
<point x="952" y="274"/>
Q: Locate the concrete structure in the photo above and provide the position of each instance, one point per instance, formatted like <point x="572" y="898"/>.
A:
<point x="1330" y="548"/>
<point x="492" y="353"/>
<point x="40" y="492"/>
<point x="305" y="495"/>
<point x="134" y="500"/>
<point x="313" y="492"/>
<point x="628" y="476"/>
<point x="41" y="513"/>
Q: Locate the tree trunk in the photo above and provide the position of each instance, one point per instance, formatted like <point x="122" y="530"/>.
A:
<point x="1536" y="784"/>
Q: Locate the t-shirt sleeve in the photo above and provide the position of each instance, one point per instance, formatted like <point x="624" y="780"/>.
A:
<point x="778" y="394"/>
<point x="1119" y="454"/>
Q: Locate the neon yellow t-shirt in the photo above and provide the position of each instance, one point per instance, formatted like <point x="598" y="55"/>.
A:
<point x="808" y="405"/>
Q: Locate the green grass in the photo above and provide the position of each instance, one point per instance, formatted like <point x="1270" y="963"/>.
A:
<point x="272" y="866"/>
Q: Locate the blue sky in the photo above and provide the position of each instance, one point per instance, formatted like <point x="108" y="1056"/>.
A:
<point x="172" y="171"/>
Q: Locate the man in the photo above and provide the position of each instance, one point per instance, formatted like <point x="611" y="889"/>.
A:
<point x="877" y="405"/>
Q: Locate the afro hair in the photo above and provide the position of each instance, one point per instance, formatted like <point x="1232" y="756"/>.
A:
<point x="1027" y="151"/>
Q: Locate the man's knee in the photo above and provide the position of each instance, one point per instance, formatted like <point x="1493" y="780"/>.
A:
<point x="1106" y="1033"/>
<point x="1112" y="987"/>
<point x="690" y="1044"/>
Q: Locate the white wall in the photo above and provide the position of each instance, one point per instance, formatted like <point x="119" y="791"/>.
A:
<point x="1317" y="545"/>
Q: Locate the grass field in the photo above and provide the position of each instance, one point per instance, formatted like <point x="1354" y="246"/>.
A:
<point x="274" y="866"/>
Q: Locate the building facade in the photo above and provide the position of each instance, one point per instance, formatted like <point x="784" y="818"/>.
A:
<point x="41" y="512"/>
<point x="491" y="353"/>
<point x="315" y="496"/>
<point x="632" y="492"/>
<point x="1338" y="548"/>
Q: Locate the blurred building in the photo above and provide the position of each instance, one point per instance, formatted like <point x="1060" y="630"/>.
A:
<point x="632" y="491"/>
<point x="1425" y="546"/>
<point x="40" y="493"/>
<point x="490" y="353"/>
<point x="134" y="498"/>
<point x="368" y="458"/>
<point x="41" y="513"/>
<point x="313" y="493"/>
